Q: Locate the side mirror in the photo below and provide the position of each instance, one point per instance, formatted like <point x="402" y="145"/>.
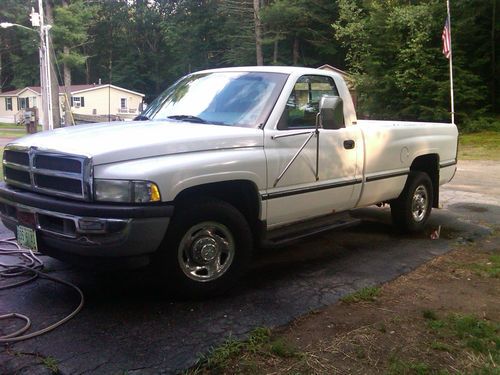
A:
<point x="331" y="112"/>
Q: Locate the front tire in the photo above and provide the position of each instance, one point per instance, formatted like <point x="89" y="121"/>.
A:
<point x="411" y="210"/>
<point x="207" y="248"/>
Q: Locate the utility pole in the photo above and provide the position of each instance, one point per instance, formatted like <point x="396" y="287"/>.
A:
<point x="53" y="81"/>
<point x="38" y="20"/>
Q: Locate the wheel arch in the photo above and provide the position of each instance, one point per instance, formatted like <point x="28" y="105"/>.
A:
<point x="242" y="194"/>
<point x="429" y="164"/>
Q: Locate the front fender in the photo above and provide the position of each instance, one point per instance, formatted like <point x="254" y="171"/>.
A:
<point x="175" y="173"/>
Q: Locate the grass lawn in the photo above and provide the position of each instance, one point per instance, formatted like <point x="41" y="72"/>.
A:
<point x="417" y="324"/>
<point x="479" y="146"/>
<point x="13" y="128"/>
<point x="12" y="133"/>
<point x="5" y="125"/>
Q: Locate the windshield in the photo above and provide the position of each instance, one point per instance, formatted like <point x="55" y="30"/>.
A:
<point x="221" y="98"/>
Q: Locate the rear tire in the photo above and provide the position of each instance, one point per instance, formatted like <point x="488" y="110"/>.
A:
<point x="411" y="210"/>
<point x="207" y="248"/>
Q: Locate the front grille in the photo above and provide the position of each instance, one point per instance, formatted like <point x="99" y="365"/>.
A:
<point x="17" y="175"/>
<point x="69" y="185"/>
<point x="48" y="172"/>
<point x="57" y="163"/>
<point x="17" y="157"/>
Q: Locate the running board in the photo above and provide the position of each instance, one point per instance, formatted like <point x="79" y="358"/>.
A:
<point x="303" y="229"/>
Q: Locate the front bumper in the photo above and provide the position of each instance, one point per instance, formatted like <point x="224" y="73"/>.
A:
<point x="83" y="233"/>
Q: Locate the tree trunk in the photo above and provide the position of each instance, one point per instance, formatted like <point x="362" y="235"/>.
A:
<point x="258" y="32"/>
<point x="68" y="119"/>
<point x="66" y="68"/>
<point x="87" y="67"/>
<point x="110" y="69"/>
<point x="110" y="78"/>
<point x="295" y="50"/>
<point x="54" y="83"/>
<point x="275" y="52"/>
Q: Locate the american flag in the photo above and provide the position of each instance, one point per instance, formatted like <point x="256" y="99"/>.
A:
<point x="446" y="39"/>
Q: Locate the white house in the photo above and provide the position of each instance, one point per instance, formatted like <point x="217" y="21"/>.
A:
<point x="347" y="78"/>
<point x="86" y="100"/>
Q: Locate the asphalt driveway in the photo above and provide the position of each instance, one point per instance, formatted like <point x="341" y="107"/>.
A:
<point x="129" y="326"/>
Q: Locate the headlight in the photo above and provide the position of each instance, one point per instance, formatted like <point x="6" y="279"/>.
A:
<point x="126" y="191"/>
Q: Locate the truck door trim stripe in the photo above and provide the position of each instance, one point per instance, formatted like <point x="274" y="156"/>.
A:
<point x="286" y="193"/>
<point x="386" y="175"/>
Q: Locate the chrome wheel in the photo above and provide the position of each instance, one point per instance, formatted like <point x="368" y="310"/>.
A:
<point x="206" y="251"/>
<point x="419" y="203"/>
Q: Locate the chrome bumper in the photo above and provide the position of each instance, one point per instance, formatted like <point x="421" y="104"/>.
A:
<point x="62" y="233"/>
<point x="58" y="224"/>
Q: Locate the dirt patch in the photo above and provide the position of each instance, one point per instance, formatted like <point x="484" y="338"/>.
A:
<point x="442" y="318"/>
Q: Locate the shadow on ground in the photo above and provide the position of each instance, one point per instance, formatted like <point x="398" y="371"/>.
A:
<point x="129" y="324"/>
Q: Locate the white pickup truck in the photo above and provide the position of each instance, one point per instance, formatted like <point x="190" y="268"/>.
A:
<point x="222" y="161"/>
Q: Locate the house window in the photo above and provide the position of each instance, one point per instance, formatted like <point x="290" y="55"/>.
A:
<point x="8" y="104"/>
<point x="77" y="101"/>
<point x="23" y="103"/>
<point x="33" y="101"/>
<point x="123" y="103"/>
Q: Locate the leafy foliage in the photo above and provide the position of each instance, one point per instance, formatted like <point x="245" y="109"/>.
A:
<point x="392" y="48"/>
<point x="70" y="29"/>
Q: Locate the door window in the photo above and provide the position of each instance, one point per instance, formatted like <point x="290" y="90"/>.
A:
<point x="303" y="104"/>
<point x="23" y="103"/>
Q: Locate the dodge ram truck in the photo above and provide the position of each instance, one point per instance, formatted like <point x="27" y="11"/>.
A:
<point x="222" y="161"/>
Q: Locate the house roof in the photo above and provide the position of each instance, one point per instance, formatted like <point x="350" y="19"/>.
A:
<point x="11" y="93"/>
<point x="329" y="67"/>
<point x="92" y="87"/>
<point x="73" y="89"/>
<point x="38" y="90"/>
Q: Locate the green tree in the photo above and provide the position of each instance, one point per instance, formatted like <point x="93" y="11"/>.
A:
<point x="302" y="30"/>
<point x="238" y="32"/>
<point x="72" y="21"/>
<point x="18" y="47"/>
<point x="394" y="50"/>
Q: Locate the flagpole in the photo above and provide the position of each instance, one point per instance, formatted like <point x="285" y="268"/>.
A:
<point x="451" y="66"/>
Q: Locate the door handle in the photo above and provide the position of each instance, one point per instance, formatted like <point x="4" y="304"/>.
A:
<point x="349" y="144"/>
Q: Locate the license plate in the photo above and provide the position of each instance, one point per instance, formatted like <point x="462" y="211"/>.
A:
<point x="26" y="237"/>
<point x="26" y="218"/>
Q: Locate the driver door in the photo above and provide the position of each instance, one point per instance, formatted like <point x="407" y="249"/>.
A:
<point x="321" y="179"/>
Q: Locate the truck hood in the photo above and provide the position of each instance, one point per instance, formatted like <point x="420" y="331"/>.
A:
<point x="119" y="141"/>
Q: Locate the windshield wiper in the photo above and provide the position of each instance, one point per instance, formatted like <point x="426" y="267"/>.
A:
<point x="141" y="118"/>
<point x="188" y="118"/>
